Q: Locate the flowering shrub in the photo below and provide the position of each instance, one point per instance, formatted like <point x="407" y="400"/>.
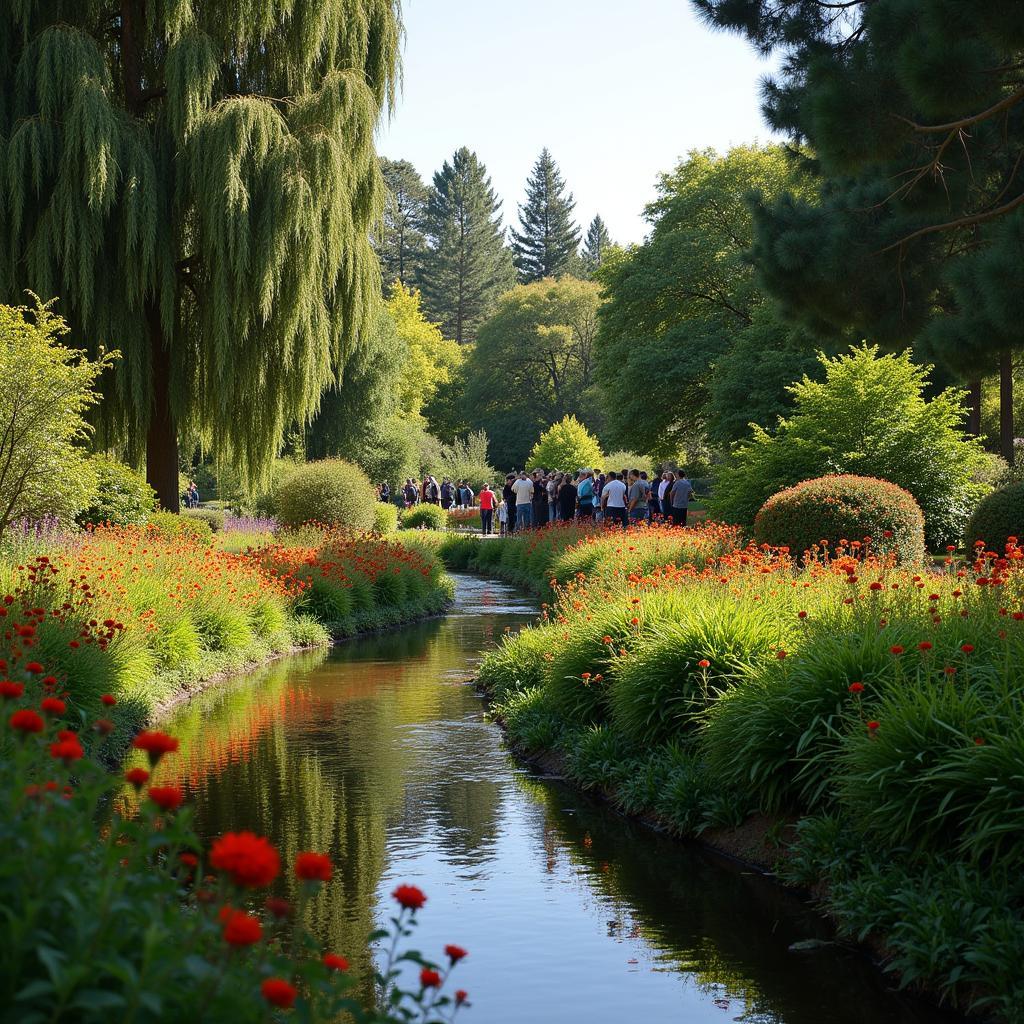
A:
<point x="125" y="921"/>
<point x="832" y="509"/>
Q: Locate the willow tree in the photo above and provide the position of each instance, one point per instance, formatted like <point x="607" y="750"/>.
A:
<point x="196" y="182"/>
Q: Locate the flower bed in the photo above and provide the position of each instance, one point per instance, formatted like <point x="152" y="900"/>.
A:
<point x="875" y="713"/>
<point x="137" y="920"/>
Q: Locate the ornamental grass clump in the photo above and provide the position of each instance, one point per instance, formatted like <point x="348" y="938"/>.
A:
<point x="93" y="903"/>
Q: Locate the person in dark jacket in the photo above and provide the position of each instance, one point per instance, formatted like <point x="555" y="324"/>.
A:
<point x="510" y="503"/>
<point x="566" y="499"/>
<point x="540" y="499"/>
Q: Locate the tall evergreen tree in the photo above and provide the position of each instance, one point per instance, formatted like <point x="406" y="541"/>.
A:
<point x="196" y="182"/>
<point x="467" y="265"/>
<point x="549" y="238"/>
<point x="915" y="112"/>
<point x="595" y="244"/>
<point x="402" y="245"/>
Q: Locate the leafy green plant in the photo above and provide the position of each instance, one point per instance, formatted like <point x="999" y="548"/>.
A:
<point x="843" y="508"/>
<point x="213" y="517"/>
<point x="567" y="446"/>
<point x="385" y="518"/>
<point x="122" y="498"/>
<point x="431" y="517"/>
<point x="333" y="491"/>
<point x="518" y="662"/>
<point x="998" y="517"/>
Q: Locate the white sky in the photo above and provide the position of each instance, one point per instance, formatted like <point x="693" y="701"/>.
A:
<point x="618" y="90"/>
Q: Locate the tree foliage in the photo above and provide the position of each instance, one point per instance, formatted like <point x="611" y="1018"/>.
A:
<point x="596" y="244"/>
<point x="467" y="265"/>
<point x="47" y="390"/>
<point x="122" y="496"/>
<point x="197" y="181"/>
<point x="566" y="446"/>
<point x="401" y="244"/>
<point x="547" y="242"/>
<point x="531" y="365"/>
<point x="685" y="317"/>
<point x="869" y="417"/>
<point x="915" y="113"/>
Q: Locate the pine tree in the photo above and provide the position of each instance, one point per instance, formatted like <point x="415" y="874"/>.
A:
<point x="402" y="245"/>
<point x="596" y="242"/>
<point x="915" y="114"/>
<point x="467" y="264"/>
<point x="549" y="238"/>
<point x="196" y="182"/>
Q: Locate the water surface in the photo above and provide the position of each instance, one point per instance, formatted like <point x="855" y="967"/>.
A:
<point x="380" y="754"/>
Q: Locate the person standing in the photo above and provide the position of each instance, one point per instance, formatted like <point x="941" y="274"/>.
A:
<point x="446" y="494"/>
<point x="486" y="509"/>
<point x="522" y="490"/>
<point x="566" y="499"/>
<point x="664" y="487"/>
<point x="385" y="492"/>
<point x="540" y="499"/>
<point x="613" y="500"/>
<point x="509" y="499"/>
<point x="503" y="516"/>
<point x="637" y="497"/>
<point x="680" y="495"/>
<point x="432" y="492"/>
<point x="585" y="495"/>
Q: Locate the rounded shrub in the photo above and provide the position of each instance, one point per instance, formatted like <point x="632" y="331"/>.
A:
<point x="332" y="491"/>
<point x="433" y="517"/>
<point x="213" y="517"/>
<point x="171" y="526"/>
<point x="998" y="517"/>
<point x="385" y="518"/>
<point x="122" y="498"/>
<point x="843" y="507"/>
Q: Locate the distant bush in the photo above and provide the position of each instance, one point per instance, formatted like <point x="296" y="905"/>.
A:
<point x="170" y="524"/>
<point x="213" y="517"/>
<point x="332" y="491"/>
<point x="627" y="460"/>
<point x="431" y="516"/>
<point x="385" y="518"/>
<point x="567" y="445"/>
<point x="999" y="516"/>
<point x="836" y="508"/>
<point x="123" y="498"/>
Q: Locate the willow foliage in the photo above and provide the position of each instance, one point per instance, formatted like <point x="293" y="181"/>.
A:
<point x="196" y="182"/>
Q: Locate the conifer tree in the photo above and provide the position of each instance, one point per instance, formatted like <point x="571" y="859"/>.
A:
<point x="467" y="265"/>
<point x="402" y="245"/>
<point x="196" y="182"/>
<point x="915" y="112"/>
<point x="547" y="243"/>
<point x="595" y="245"/>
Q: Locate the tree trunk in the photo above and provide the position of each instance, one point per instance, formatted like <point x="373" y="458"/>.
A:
<point x="1006" y="448"/>
<point x="162" y="437"/>
<point x="974" y="408"/>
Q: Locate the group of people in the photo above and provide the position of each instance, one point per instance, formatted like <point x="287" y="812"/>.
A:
<point x="529" y="500"/>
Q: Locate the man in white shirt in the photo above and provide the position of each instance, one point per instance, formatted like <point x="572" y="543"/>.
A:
<point x="613" y="500"/>
<point x="523" y="490"/>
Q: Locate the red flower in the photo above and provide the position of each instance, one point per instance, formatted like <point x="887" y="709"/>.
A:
<point x="109" y="700"/>
<point x="167" y="798"/>
<point x="461" y="995"/>
<point x="635" y="621"/>
<point x="190" y="860"/>
<point x="856" y="687"/>
<point x="967" y="648"/>
<point x="250" y="859"/>
<point x="873" y="726"/>
<point x="241" y="929"/>
<point x="26" y="721"/>
<point x="53" y="705"/>
<point x="896" y="649"/>
<point x="34" y="668"/>
<point x="781" y="655"/>
<point x="410" y="897"/>
<point x="924" y="645"/>
<point x="887" y="534"/>
<point x="155" y="744"/>
<point x="455" y="953"/>
<point x="334" y="962"/>
<point x="703" y="663"/>
<point x="429" y="978"/>
<point x="875" y="586"/>
<point x="313" y="867"/>
<point x="278" y="907"/>
<point x="278" y="992"/>
<point x="137" y="777"/>
<point x="10" y="690"/>
<point x="801" y="615"/>
<point x="67" y="748"/>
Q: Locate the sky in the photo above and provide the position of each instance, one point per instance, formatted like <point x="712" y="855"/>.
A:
<point x="618" y="90"/>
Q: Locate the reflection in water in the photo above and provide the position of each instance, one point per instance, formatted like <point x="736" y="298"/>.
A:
<point x="380" y="756"/>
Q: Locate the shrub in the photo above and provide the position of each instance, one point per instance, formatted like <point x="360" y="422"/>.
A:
<point x="567" y="445"/>
<point x="213" y="517"/>
<point x="843" y="508"/>
<point x="171" y="524"/>
<point x="122" y="498"/>
<point x="627" y="460"/>
<point x="868" y="417"/>
<point x="333" y="491"/>
<point x="433" y="517"/>
<point x="385" y="518"/>
<point x="998" y="517"/>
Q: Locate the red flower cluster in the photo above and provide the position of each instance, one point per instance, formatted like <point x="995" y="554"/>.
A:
<point x="409" y="897"/>
<point x="167" y="798"/>
<point x="278" y="992"/>
<point x="155" y="744"/>
<point x="240" y="929"/>
<point x="250" y="860"/>
<point x="313" y="867"/>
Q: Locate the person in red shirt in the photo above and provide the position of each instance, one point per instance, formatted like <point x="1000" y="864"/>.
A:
<point x="487" y="503"/>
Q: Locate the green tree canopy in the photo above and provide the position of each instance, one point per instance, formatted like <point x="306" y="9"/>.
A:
<point x="915" y="112"/>
<point x="196" y="182"/>
<point x="566" y="446"/>
<point x="531" y="365"/>
<point x="547" y="242"/>
<point x="401" y="244"/>
<point x="596" y="244"/>
<point x="467" y="265"/>
<point x="684" y="310"/>
<point x="869" y="417"/>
